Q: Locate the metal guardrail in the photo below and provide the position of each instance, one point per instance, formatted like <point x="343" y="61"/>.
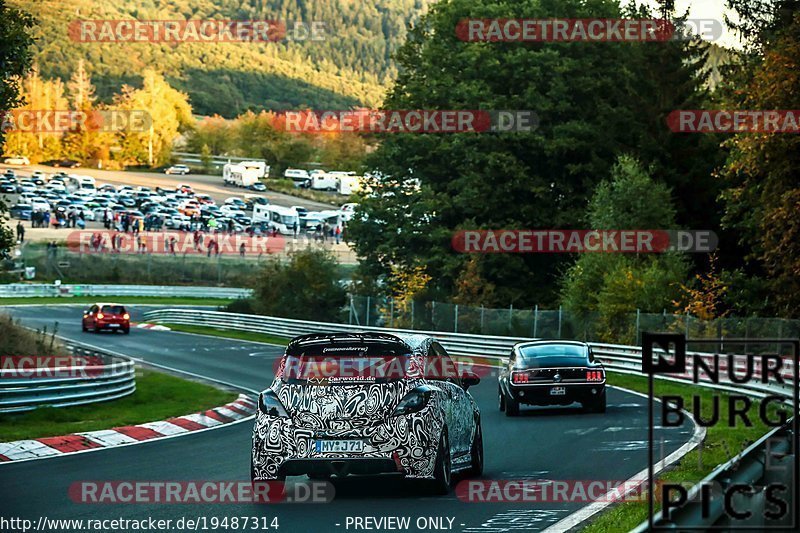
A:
<point x="63" y="386"/>
<point x="16" y="290"/>
<point x="620" y="358"/>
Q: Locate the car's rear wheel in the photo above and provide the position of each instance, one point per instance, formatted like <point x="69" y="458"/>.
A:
<point x="126" y="331"/>
<point x="501" y="401"/>
<point x="83" y="327"/>
<point x="476" y="453"/>
<point x="442" y="469"/>
<point x="512" y="407"/>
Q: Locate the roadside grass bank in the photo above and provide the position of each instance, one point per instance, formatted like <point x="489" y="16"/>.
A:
<point x="158" y="396"/>
<point x="228" y="334"/>
<point x="721" y="443"/>
<point x="133" y="300"/>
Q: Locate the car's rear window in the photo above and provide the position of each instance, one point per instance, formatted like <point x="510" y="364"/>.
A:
<point x="346" y="363"/>
<point x="553" y="350"/>
<point x="114" y="309"/>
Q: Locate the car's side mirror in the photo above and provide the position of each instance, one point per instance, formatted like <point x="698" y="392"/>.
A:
<point x="469" y="379"/>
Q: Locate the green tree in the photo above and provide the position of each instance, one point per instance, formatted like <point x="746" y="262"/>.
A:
<point x="612" y="285"/>
<point x="593" y="103"/>
<point x="762" y="195"/>
<point x="169" y="114"/>
<point x="205" y="158"/>
<point x="15" y="60"/>
<point x="307" y="287"/>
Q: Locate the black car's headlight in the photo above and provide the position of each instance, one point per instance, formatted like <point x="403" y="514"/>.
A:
<point x="414" y="401"/>
<point x="270" y="405"/>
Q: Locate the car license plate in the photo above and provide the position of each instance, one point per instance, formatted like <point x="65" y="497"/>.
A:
<point x="113" y="325"/>
<point x="339" y="446"/>
<point x="558" y="391"/>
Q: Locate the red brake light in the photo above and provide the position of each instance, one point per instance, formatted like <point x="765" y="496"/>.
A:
<point x="594" y="375"/>
<point x="519" y="377"/>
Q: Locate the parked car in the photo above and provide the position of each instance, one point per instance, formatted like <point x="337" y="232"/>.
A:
<point x="62" y="163"/>
<point x="180" y="170"/>
<point x="21" y="211"/>
<point x="16" y="160"/>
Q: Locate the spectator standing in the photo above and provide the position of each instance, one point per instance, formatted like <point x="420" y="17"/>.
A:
<point x="20" y="232"/>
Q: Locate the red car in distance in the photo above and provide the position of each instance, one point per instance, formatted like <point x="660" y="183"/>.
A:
<point x="113" y="317"/>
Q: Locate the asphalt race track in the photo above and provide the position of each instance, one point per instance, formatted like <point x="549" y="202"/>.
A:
<point x="541" y="444"/>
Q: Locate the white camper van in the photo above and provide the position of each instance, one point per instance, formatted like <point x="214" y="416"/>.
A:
<point x="300" y="177"/>
<point x="275" y="216"/>
<point x="324" y="181"/>
<point x="243" y="174"/>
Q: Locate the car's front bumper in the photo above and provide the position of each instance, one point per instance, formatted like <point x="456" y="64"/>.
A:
<point x="405" y="445"/>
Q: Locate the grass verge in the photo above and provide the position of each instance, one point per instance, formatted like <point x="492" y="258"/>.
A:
<point x="44" y="300"/>
<point x="158" y="396"/>
<point x="228" y="334"/>
<point x="721" y="443"/>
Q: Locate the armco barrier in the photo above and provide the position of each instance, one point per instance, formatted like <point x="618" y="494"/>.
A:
<point x="114" y="378"/>
<point x="620" y="358"/>
<point x="16" y="290"/>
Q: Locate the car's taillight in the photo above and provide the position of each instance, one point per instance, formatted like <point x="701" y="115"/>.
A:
<point x="519" y="377"/>
<point x="100" y="316"/>
<point x="126" y="316"/>
<point x="594" y="375"/>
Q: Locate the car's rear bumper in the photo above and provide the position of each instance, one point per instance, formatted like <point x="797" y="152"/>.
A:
<point x="540" y="394"/>
<point x="402" y="444"/>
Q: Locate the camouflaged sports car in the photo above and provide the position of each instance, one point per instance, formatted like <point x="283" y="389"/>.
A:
<point x="368" y="403"/>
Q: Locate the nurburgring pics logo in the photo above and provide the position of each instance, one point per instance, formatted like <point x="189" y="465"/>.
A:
<point x="734" y="121"/>
<point x="194" y="31"/>
<point x="769" y="496"/>
<point x="406" y="121"/>
<point x="65" y="121"/>
<point x="583" y="241"/>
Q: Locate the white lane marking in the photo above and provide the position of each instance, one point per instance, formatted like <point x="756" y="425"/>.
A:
<point x="637" y="480"/>
<point x="580" y="432"/>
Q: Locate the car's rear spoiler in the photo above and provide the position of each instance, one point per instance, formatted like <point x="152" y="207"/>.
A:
<point x="304" y="341"/>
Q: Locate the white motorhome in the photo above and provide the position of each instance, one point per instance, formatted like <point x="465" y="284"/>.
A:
<point x="299" y="176"/>
<point x="244" y="174"/>
<point x="275" y="216"/>
<point x="324" y="181"/>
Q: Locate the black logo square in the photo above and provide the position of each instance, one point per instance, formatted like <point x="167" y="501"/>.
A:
<point x="663" y="365"/>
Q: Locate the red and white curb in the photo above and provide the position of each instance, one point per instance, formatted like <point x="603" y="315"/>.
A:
<point x="154" y="327"/>
<point x="21" y="450"/>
